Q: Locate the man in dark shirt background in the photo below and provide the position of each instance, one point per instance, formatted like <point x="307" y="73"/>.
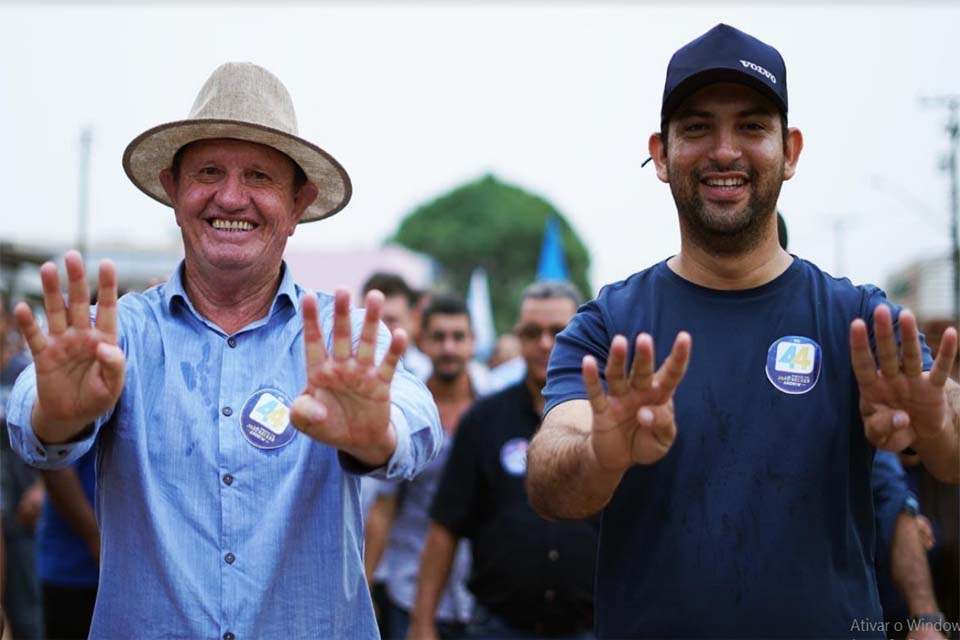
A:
<point x="532" y="578"/>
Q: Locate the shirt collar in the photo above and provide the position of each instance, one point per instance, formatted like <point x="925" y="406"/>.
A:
<point x="174" y="289"/>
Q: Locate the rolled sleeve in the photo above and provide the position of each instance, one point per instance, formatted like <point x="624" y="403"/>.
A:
<point x="25" y="442"/>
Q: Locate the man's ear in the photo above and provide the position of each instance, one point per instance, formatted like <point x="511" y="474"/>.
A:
<point x="791" y="152"/>
<point x="657" y="150"/>
<point x="169" y="185"/>
<point x="305" y="196"/>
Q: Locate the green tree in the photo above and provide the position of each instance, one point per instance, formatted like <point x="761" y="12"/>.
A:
<point x="491" y="224"/>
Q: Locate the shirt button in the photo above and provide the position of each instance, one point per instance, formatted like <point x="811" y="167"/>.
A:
<point x="229" y="558"/>
<point x="232" y="342"/>
<point x="553" y="555"/>
<point x="228" y="479"/>
<point x="549" y="595"/>
<point x="229" y="636"/>
<point x="227" y="411"/>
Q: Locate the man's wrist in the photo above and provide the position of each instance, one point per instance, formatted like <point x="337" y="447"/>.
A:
<point x="378" y="455"/>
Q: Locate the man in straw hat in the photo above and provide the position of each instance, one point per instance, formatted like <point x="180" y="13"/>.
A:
<point x="218" y="518"/>
<point x="734" y="479"/>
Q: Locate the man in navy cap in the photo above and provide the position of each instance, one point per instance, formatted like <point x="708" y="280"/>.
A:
<point x="734" y="480"/>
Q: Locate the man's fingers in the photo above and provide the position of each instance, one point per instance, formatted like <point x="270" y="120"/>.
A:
<point x="367" y="346"/>
<point x="616" y="367"/>
<point x="673" y="369"/>
<point x="641" y="372"/>
<point x="659" y="420"/>
<point x="946" y="356"/>
<point x="112" y="366"/>
<point x="107" y="299"/>
<point x="312" y="334"/>
<point x="591" y="380"/>
<point x="29" y="328"/>
<point x="307" y="413"/>
<point x="342" y="329"/>
<point x="910" y="344"/>
<point x="864" y="367"/>
<point x="398" y="345"/>
<point x="53" y="299"/>
<point x="78" y="291"/>
<point x="888" y="429"/>
<point x="888" y="356"/>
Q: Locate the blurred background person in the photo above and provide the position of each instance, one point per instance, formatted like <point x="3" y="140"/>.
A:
<point x="21" y="493"/>
<point x="398" y="520"/>
<point x="531" y="577"/>
<point x="398" y="313"/>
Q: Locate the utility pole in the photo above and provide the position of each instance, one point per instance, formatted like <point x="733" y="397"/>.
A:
<point x="83" y="195"/>
<point x="952" y="104"/>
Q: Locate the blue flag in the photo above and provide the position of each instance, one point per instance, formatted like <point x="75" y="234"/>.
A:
<point x="552" y="265"/>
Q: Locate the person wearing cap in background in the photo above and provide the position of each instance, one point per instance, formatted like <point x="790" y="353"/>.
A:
<point x="734" y="479"/>
<point x="231" y="427"/>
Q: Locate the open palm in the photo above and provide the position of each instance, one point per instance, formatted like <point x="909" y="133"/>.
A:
<point x="633" y="422"/>
<point x="346" y="403"/>
<point x="79" y="367"/>
<point x="899" y="402"/>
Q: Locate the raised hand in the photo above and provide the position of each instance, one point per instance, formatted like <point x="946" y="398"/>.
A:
<point x="80" y="368"/>
<point x="633" y="423"/>
<point x="346" y="403"/>
<point x="899" y="402"/>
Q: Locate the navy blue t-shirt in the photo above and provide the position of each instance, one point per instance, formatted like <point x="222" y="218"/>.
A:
<point x="759" y="521"/>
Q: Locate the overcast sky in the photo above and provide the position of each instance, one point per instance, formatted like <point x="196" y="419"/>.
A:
<point x="417" y="98"/>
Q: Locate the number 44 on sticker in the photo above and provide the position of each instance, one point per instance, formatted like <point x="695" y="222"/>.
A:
<point x="796" y="358"/>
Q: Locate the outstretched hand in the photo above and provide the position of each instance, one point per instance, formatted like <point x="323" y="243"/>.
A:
<point x="80" y="368"/>
<point x="633" y="423"/>
<point x="346" y="403"/>
<point x="900" y="403"/>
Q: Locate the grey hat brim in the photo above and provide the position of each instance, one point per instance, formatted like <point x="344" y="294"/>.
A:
<point x="152" y="151"/>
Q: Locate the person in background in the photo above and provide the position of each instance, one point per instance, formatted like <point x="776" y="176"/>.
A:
<point x="506" y="364"/>
<point x="68" y="550"/>
<point x="402" y="509"/>
<point x="21" y="499"/>
<point x="531" y="578"/>
<point x="904" y="536"/>
<point x="398" y="313"/>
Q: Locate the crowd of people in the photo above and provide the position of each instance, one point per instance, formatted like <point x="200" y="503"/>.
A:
<point x="708" y="448"/>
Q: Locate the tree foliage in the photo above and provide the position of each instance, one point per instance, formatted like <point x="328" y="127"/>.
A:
<point x="491" y="224"/>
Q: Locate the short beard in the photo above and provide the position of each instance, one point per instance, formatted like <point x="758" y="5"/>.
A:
<point x="740" y="234"/>
<point x="447" y="377"/>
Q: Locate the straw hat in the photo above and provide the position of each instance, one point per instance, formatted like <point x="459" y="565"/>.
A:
<point x="245" y="102"/>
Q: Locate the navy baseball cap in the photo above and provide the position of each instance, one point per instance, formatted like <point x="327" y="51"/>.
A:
<point x="724" y="54"/>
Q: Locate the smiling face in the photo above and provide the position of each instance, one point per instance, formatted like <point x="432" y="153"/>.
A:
<point x="725" y="162"/>
<point x="235" y="204"/>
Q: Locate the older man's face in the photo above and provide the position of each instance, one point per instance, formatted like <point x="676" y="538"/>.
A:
<point x="540" y="321"/>
<point x="235" y="204"/>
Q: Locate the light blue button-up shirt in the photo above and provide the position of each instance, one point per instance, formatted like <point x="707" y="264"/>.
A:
<point x="205" y="535"/>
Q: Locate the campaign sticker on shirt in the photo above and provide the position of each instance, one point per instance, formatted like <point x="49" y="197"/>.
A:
<point x="265" y="419"/>
<point x="513" y="456"/>
<point x="793" y="364"/>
